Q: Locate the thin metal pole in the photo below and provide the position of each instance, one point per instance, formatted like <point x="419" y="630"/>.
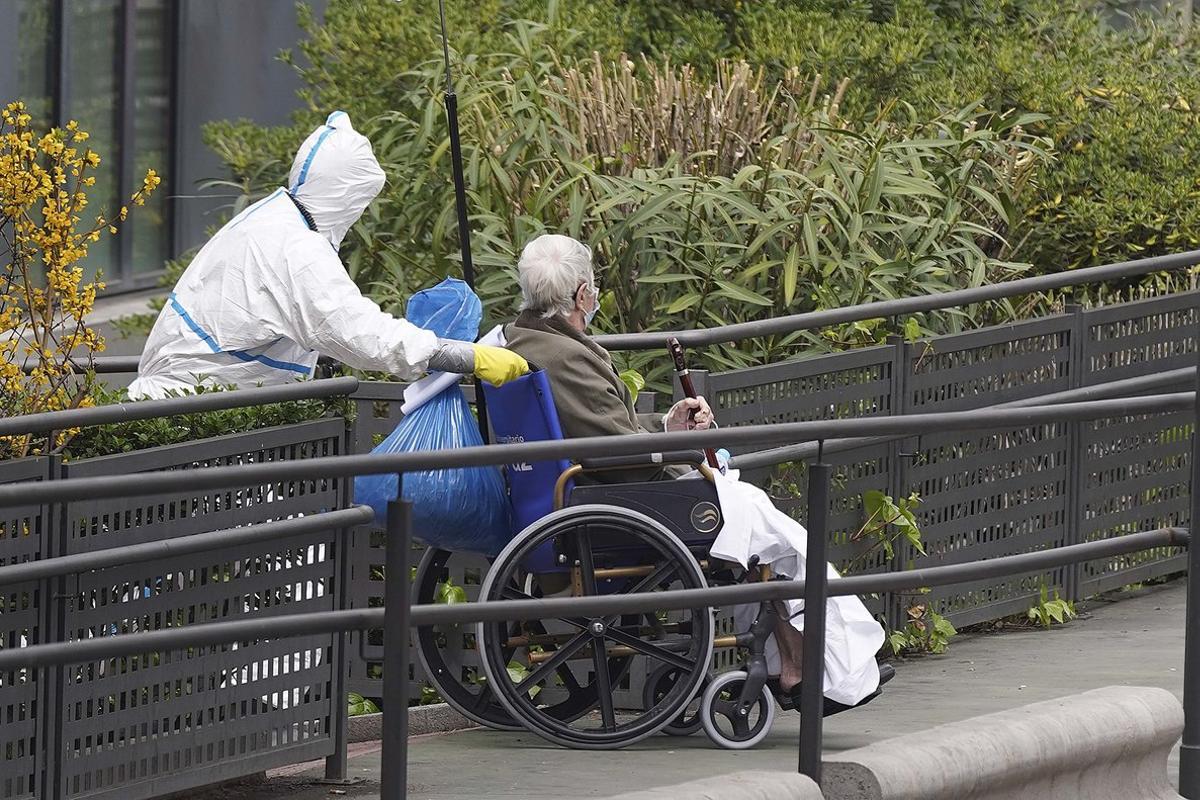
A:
<point x="394" y="778"/>
<point x="813" y="654"/>
<point x="1189" y="749"/>
<point x="337" y="763"/>
<point x="460" y="198"/>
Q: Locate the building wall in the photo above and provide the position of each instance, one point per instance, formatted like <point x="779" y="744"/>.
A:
<point x="144" y="77"/>
<point x="227" y="70"/>
<point x="8" y="52"/>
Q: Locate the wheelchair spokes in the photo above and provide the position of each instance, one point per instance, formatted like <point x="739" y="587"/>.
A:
<point x="602" y="550"/>
<point x="449" y="655"/>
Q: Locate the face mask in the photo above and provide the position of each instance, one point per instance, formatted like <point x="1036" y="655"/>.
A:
<point x="588" y="316"/>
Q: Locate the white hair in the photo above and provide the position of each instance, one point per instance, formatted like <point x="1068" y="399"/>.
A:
<point x="550" y="271"/>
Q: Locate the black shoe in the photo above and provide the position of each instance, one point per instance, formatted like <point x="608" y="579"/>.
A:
<point x="831" y="707"/>
<point x="886" y="673"/>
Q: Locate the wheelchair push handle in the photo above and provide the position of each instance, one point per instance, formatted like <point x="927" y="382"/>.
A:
<point x="689" y="390"/>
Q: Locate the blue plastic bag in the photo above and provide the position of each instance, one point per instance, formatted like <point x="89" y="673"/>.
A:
<point x="454" y="509"/>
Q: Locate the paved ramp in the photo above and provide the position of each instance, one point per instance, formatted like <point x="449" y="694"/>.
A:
<point x="1137" y="641"/>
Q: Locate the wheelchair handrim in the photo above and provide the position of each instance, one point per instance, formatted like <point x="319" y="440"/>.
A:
<point x="700" y="646"/>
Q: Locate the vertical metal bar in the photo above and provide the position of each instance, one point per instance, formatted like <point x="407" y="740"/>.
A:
<point x="1073" y="501"/>
<point x="56" y="631"/>
<point x="394" y="778"/>
<point x="126" y="141"/>
<point x="898" y="485"/>
<point x="335" y="764"/>
<point x="813" y="658"/>
<point x="48" y="623"/>
<point x="1189" y="749"/>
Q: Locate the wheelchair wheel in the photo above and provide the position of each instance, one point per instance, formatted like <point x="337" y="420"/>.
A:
<point x="607" y="550"/>
<point x="454" y="672"/>
<point x="722" y="722"/>
<point x="446" y="667"/>
<point x="658" y="683"/>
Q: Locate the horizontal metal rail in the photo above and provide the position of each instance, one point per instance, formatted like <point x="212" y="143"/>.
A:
<point x="1100" y="391"/>
<point x="822" y="319"/>
<point x="893" y="308"/>
<point x="174" y="406"/>
<point x="634" y="444"/>
<point x="183" y="545"/>
<point x="101" y="365"/>
<point x="215" y="633"/>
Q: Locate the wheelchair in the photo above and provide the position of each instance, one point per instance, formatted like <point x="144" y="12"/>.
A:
<point x="559" y="677"/>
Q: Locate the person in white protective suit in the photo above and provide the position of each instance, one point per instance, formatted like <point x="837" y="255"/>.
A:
<point x="559" y="299"/>
<point x="267" y="295"/>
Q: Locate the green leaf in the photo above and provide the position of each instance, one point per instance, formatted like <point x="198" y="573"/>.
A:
<point x="735" y="292"/>
<point x="517" y="673"/>
<point x="790" y="274"/>
<point x="912" y="330"/>
<point x="683" y="303"/>
<point x="633" y="381"/>
<point x="448" y="593"/>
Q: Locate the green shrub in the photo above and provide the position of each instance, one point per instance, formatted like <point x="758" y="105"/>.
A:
<point x="126" y="437"/>
<point x="788" y="209"/>
<point x="1117" y="103"/>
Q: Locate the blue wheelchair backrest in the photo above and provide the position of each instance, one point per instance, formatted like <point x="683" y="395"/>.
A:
<point x="523" y="411"/>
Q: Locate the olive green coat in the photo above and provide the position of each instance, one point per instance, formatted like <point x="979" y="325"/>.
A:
<point x="591" y="398"/>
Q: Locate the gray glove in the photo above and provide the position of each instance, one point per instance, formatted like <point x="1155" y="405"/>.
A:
<point x="453" y="355"/>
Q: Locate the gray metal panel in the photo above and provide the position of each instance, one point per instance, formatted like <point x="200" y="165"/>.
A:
<point x="1140" y="338"/>
<point x="990" y="366"/>
<point x="1137" y="472"/>
<point x="228" y="69"/>
<point x="996" y="494"/>
<point x="150" y="725"/>
<point x="826" y="387"/>
<point x="24" y="536"/>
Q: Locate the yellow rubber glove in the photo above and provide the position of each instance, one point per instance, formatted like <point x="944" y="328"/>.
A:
<point x="498" y="366"/>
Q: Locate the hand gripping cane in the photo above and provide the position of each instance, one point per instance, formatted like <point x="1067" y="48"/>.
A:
<point x="685" y="382"/>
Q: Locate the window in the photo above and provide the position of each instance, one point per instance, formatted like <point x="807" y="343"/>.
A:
<point x="110" y="65"/>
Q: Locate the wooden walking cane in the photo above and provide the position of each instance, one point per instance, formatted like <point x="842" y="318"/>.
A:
<point x="685" y="382"/>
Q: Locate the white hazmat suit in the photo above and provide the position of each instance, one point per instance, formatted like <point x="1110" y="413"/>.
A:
<point x="266" y="296"/>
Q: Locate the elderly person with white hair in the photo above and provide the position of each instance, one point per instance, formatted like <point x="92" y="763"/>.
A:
<point x="559" y="300"/>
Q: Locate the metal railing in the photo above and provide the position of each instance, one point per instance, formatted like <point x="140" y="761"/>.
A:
<point x="800" y="442"/>
<point x="814" y="320"/>
<point x="815" y="589"/>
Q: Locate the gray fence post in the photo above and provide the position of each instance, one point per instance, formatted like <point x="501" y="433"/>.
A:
<point x="339" y="715"/>
<point x="898" y="479"/>
<point x="394" y="777"/>
<point x="50" y="622"/>
<point x="1073" y="518"/>
<point x="55" y="677"/>
<point x="1189" y="749"/>
<point x="813" y="653"/>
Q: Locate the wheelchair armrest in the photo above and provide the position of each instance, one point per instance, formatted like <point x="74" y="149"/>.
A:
<point x="690" y="457"/>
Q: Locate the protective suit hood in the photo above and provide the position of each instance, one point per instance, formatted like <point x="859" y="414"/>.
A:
<point x="335" y="176"/>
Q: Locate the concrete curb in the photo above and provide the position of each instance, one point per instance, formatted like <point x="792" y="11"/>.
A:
<point x="437" y="718"/>
<point x="1106" y="743"/>
<point x="737" y="786"/>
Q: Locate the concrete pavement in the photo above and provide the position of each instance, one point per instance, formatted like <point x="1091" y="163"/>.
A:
<point x="1136" y="641"/>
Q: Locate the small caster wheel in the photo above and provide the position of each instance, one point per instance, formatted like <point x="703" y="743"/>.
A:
<point x="722" y="722"/>
<point x="658" y="683"/>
